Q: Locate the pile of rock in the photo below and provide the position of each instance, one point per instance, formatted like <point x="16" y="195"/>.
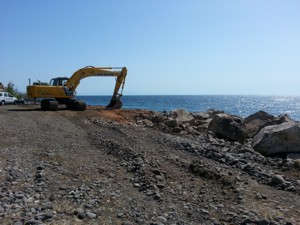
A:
<point x="270" y="135"/>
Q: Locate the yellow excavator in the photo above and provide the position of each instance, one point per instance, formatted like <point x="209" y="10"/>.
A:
<point x="61" y="90"/>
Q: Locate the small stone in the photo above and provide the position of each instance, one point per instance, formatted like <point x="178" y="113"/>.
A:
<point x="78" y="210"/>
<point x="162" y="219"/>
<point x="160" y="185"/>
<point x="247" y="221"/>
<point x="18" y="223"/>
<point x="120" y="215"/>
<point x="277" y="179"/>
<point x="258" y="196"/>
<point x="111" y="175"/>
<point x="157" y="196"/>
<point x="159" y="177"/>
<point x="43" y="216"/>
<point x="9" y="178"/>
<point x="138" y="161"/>
<point x="263" y="222"/>
<point x="19" y="195"/>
<point x="88" y="206"/>
<point x="127" y="223"/>
<point x="136" y="185"/>
<point x="264" y="196"/>
<point x="34" y="222"/>
<point x="297" y="163"/>
<point x="90" y="215"/>
<point x="149" y="193"/>
<point x="204" y="211"/>
<point x="81" y="215"/>
<point x="40" y="167"/>
<point x="33" y="210"/>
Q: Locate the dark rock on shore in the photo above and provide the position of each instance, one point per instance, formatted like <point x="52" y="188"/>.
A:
<point x="271" y="135"/>
<point x="228" y="126"/>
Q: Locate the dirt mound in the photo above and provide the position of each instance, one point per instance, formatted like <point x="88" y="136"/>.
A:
<point x="120" y="116"/>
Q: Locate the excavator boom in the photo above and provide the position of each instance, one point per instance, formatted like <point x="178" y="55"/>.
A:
<point x="61" y="90"/>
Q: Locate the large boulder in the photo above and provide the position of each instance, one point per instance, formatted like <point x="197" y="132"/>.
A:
<point x="228" y="127"/>
<point x="261" y="119"/>
<point x="257" y="121"/>
<point x="260" y="116"/>
<point x="278" y="139"/>
<point x="182" y="116"/>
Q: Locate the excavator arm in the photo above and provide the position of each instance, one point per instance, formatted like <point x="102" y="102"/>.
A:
<point x="89" y="71"/>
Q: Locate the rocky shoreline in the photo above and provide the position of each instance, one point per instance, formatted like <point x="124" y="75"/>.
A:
<point x="141" y="167"/>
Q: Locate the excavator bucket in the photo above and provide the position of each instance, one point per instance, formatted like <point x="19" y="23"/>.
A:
<point x="115" y="103"/>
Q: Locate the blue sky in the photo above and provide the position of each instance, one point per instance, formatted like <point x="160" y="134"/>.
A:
<point x="169" y="47"/>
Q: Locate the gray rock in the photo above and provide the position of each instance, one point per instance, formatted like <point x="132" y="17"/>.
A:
<point x="278" y="139"/>
<point x="43" y="216"/>
<point x="91" y="215"/>
<point x="34" y="222"/>
<point x="182" y="116"/>
<point x="88" y="206"/>
<point x="257" y="121"/>
<point x="19" y="195"/>
<point x="120" y="215"/>
<point x="81" y="215"/>
<point x="277" y="179"/>
<point x="138" y="161"/>
<point x="171" y="123"/>
<point x="203" y="127"/>
<point x="148" y="123"/>
<point x="228" y="126"/>
<point x="162" y="219"/>
<point x="297" y="163"/>
<point x="263" y="222"/>
<point x="157" y="119"/>
<point x="261" y="119"/>
<point x="259" y="116"/>
<point x="201" y="115"/>
<point x="177" y="129"/>
<point x="78" y="210"/>
<point x="18" y="223"/>
<point x="127" y="223"/>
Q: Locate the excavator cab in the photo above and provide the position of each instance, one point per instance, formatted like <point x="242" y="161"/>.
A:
<point x="59" y="81"/>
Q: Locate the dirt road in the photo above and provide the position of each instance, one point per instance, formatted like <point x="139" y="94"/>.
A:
<point x="100" y="167"/>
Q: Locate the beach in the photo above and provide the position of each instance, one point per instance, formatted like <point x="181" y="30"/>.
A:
<point x="122" y="167"/>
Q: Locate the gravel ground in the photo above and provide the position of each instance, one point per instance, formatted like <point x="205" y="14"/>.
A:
<point x="101" y="167"/>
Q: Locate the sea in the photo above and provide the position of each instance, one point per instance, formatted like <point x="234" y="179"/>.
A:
<point x="242" y="105"/>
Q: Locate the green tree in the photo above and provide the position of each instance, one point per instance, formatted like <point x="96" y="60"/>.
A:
<point x="14" y="91"/>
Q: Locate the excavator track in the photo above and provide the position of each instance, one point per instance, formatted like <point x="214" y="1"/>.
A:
<point x="49" y="105"/>
<point x="75" y="104"/>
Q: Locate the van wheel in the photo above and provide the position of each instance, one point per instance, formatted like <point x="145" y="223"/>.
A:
<point x="2" y="102"/>
<point x="15" y="102"/>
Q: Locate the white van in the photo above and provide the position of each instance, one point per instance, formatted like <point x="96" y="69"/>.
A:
<point x="6" y="98"/>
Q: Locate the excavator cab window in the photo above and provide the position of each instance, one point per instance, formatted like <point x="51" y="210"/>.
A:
<point x="59" y="81"/>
